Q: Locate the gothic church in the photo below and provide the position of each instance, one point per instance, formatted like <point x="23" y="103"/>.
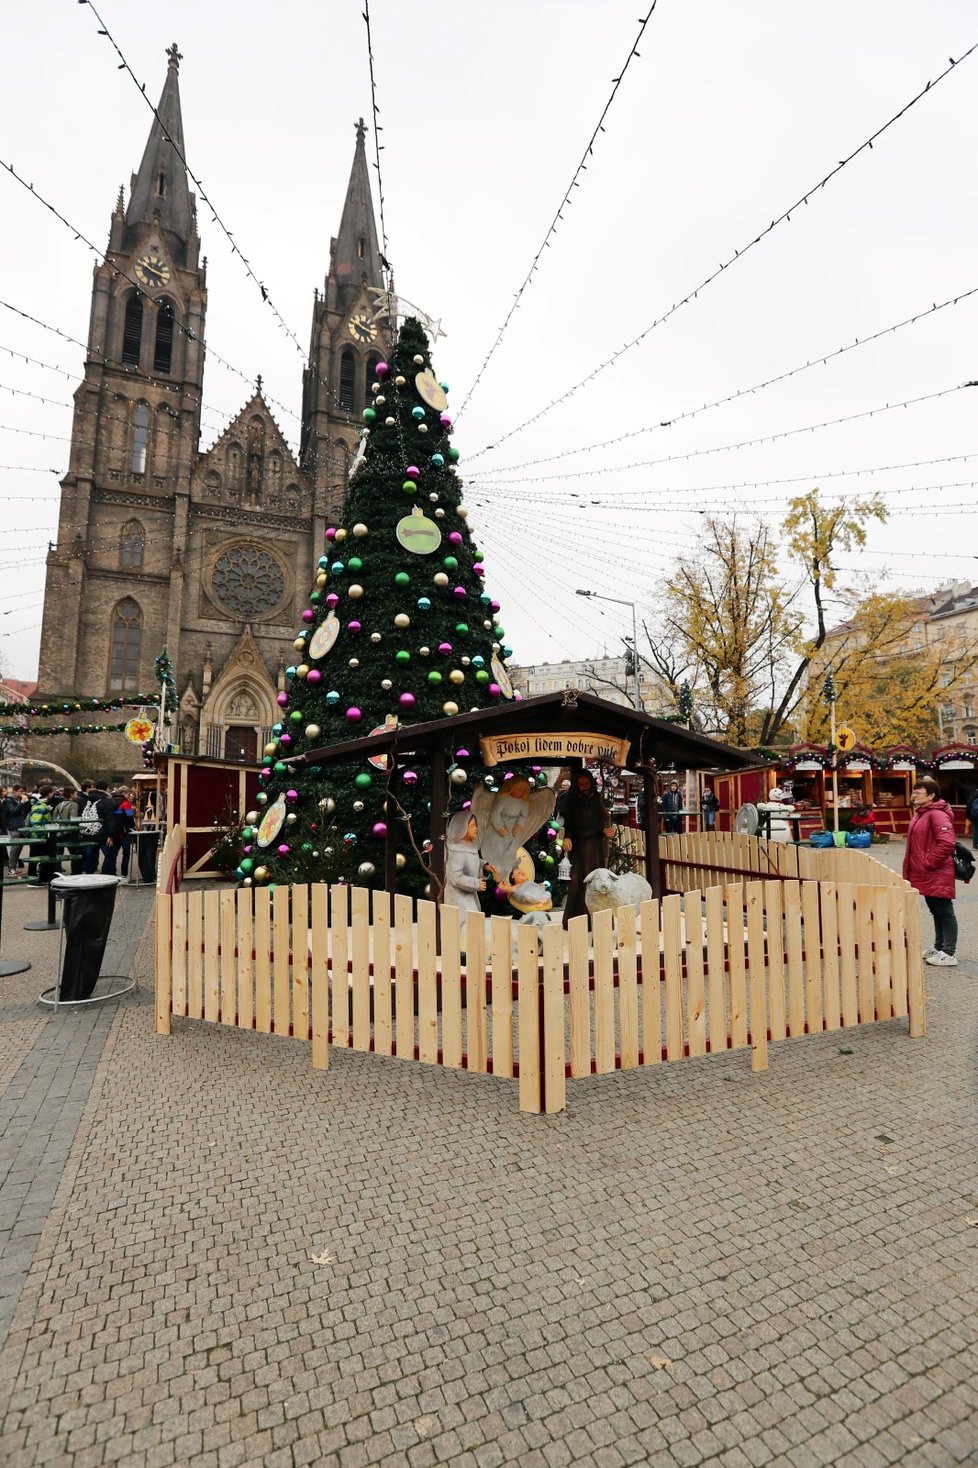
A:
<point x="158" y="544"/>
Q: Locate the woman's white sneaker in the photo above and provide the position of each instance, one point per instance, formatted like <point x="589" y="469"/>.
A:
<point x="941" y="960"/>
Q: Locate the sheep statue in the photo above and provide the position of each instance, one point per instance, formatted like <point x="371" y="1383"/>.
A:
<point x="606" y="890"/>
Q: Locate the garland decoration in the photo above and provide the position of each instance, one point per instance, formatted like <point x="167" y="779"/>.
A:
<point x="79" y="706"/>
<point x="40" y="729"/>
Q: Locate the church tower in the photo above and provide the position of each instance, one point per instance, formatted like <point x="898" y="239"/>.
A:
<point x="348" y="338"/>
<point x="113" y="591"/>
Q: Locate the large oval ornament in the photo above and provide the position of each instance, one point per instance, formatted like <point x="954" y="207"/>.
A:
<point x="379" y="761"/>
<point x="324" y="637"/>
<point x="501" y="676"/>
<point x="430" y="390"/>
<point x="417" y="534"/>
<point x="271" y="823"/>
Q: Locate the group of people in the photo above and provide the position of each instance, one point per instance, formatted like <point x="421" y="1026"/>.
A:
<point x="105" y="822"/>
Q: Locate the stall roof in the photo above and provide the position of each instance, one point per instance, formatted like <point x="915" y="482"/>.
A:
<point x="551" y="713"/>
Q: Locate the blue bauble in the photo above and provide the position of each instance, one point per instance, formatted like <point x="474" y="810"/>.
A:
<point x="424" y="604"/>
<point x="443" y="386"/>
<point x="485" y="599"/>
<point x="438" y="460"/>
<point x="337" y="568"/>
<point x="478" y="661"/>
<point x="332" y="698"/>
<point x="323" y="563"/>
<point x="290" y="671"/>
<point x="276" y="728"/>
<point x="417" y="413"/>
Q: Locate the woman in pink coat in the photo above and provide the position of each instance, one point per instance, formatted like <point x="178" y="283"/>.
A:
<point x="928" y="865"/>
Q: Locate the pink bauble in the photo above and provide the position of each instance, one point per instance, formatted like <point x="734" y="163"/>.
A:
<point x="445" y="420"/>
<point x="466" y="805"/>
<point x="478" y="569"/>
<point x="283" y="850"/>
<point x="247" y="848"/>
<point x="292" y="795"/>
<point x="455" y="538"/>
<point x="314" y="676"/>
<point x="444" y="648"/>
<point x="331" y="533"/>
<point x="494" y="606"/>
<point x="461" y="754"/>
<point x="332" y="600"/>
<point x="354" y="714"/>
<point x="382" y="369"/>
<point x="266" y="773"/>
<point x="353" y="626"/>
<point x="410" y="777"/>
<point x="379" y="829"/>
<point x="282" y="699"/>
<point x="493" y="690"/>
<point x="309" y="615"/>
<point x="501" y="893"/>
<point x="285" y="739"/>
<point x="406" y="700"/>
<point x="459" y="593"/>
<point x="412" y="471"/>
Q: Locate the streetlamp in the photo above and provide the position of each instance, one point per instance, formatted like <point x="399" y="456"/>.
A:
<point x="599" y="596"/>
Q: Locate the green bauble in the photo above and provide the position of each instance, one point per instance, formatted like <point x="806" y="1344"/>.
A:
<point x="279" y="767"/>
<point x="402" y="579"/>
<point x="434" y="676"/>
<point x="453" y="454"/>
<point x="363" y="781"/>
<point x="450" y="563"/>
<point x="482" y="676"/>
<point x="369" y="415"/>
<point x="355" y="563"/>
<point x="402" y="656"/>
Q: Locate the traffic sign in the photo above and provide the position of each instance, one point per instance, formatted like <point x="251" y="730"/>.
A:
<point x="845" y="739"/>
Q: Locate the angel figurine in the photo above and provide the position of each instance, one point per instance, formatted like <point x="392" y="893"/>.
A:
<point x="507" y="820"/>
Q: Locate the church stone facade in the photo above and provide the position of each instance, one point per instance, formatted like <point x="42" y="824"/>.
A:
<point x="160" y="545"/>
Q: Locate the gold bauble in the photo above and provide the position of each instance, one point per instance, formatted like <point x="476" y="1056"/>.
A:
<point x="341" y="535"/>
<point x="456" y="676"/>
<point x="451" y="709"/>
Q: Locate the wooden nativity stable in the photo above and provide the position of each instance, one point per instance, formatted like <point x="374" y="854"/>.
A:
<point x="568" y="729"/>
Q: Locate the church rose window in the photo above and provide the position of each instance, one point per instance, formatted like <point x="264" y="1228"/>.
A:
<point x="247" y="580"/>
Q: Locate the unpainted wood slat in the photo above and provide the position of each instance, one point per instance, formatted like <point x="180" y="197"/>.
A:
<point x="829" y="903"/>
<point x="672" y="952"/>
<point x="195" y="955"/>
<point x="791" y="899"/>
<point x="451" y="986"/>
<point x="300" y="961"/>
<point x="319" y="976"/>
<point x="814" y="1010"/>
<point x="383" y="1005"/>
<point x="164" y="977"/>
<point x="847" y="953"/>
<point x="627" y="987"/>
<point x="695" y="991"/>
<point x="774" y="936"/>
<point x="896" y="910"/>
<point x="865" y="970"/>
<point x="229" y="962"/>
<point x="212" y="966"/>
<point x="281" y="964"/>
<point x="476" y="1015"/>
<point x="246" y="961"/>
<point x="427" y="984"/>
<point x="737" y="965"/>
<point x="528" y="1009"/>
<point x="360" y="966"/>
<point x="339" y="956"/>
<point x="403" y="935"/>
<point x="579" y="999"/>
<point x="603" y="944"/>
<point x="756" y="974"/>
<point x="718" y="1031"/>
<point x="881" y="949"/>
<point x="915" y="967"/>
<point x="178" y="953"/>
<point x="554" y="1078"/>
<point x="263" y="960"/>
<point x="502" y="996"/>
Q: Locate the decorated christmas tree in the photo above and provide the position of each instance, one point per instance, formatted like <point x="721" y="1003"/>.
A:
<point x="399" y="629"/>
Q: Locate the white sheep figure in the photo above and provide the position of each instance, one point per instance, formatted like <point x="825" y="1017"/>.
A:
<point x="604" y="889"/>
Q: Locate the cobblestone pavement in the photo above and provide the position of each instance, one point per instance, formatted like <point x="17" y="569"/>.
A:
<point x="250" y="1262"/>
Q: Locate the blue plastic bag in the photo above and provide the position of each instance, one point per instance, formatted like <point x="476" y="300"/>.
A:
<point x="821" y="838"/>
<point x="859" y="838"/>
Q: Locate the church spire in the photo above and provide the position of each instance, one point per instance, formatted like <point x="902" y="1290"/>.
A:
<point x="355" y="251"/>
<point x="160" y="187"/>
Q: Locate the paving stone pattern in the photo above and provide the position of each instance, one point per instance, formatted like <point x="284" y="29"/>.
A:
<point x="248" y="1262"/>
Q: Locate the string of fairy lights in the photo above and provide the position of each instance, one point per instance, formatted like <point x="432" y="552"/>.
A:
<point x="738" y="255"/>
<point x="565" y="203"/>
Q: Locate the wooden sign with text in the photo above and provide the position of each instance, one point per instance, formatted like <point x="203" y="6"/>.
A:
<point x="499" y="748"/>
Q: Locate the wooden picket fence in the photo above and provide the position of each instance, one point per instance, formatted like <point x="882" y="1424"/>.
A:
<point x="737" y="965"/>
<point x="702" y="859"/>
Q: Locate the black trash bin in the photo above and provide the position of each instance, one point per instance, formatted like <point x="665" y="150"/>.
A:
<point x="147" y="846"/>
<point x="88" y="906"/>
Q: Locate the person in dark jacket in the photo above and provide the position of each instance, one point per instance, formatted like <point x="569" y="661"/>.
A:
<point x="669" y="807"/>
<point x="90" y="823"/>
<point x="928" y="865"/>
<point x="709" y="805"/>
<point x="13" y="818"/>
<point x="112" y="831"/>
<point x="587" y="827"/>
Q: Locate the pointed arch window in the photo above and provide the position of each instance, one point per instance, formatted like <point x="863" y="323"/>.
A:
<point x="371" y="375"/>
<point x="132" y="332"/>
<point x="361" y="247"/>
<point x="140" y="438"/>
<point x="348" y="380"/>
<point x="161" y="184"/>
<point x="126" y="633"/>
<point x="234" y="466"/>
<point x="131" y="543"/>
<point x="163" y="352"/>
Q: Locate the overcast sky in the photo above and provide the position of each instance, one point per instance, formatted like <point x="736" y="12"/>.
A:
<point x="728" y="115"/>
